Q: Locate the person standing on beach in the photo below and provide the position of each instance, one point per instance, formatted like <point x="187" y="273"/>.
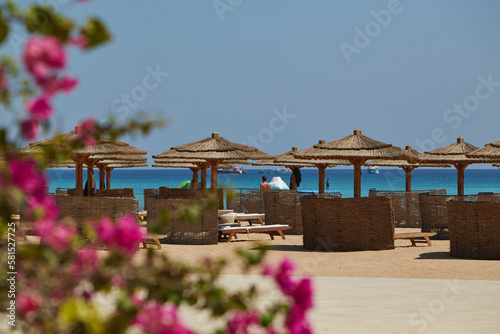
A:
<point x="265" y="185"/>
<point x="92" y="186"/>
<point x="327" y="184"/>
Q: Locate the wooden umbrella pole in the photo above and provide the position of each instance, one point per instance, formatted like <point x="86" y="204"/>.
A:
<point x="357" y="163"/>
<point x="203" y="167"/>
<point x="90" y="167"/>
<point x="108" y="177"/>
<point x="78" y="159"/>
<point x="195" y="173"/>
<point x="408" y="171"/>
<point x="213" y="177"/>
<point x="321" y="172"/>
<point x="293" y="183"/>
<point x="460" y="177"/>
<point x="102" y="175"/>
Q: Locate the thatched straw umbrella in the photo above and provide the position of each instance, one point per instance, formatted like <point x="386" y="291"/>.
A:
<point x="177" y="163"/>
<point x="213" y="150"/>
<point x="407" y="163"/>
<point x="80" y="156"/>
<point x="103" y="162"/>
<point x="455" y="154"/>
<point x="289" y="160"/>
<point x="105" y="166"/>
<point x="489" y="151"/>
<point x="356" y="149"/>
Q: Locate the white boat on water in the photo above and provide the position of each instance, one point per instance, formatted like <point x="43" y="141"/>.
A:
<point x="373" y="170"/>
<point x="280" y="170"/>
<point x="234" y="170"/>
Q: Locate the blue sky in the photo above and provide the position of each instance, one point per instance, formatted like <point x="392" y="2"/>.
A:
<point x="275" y="74"/>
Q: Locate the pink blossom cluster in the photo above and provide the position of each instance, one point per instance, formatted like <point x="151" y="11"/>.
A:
<point x="24" y="175"/>
<point x="28" y="302"/>
<point x="300" y="291"/>
<point x="246" y="322"/>
<point x="87" y="260"/>
<point x="45" y="60"/>
<point x="156" y="318"/>
<point x="86" y="132"/>
<point x="123" y="236"/>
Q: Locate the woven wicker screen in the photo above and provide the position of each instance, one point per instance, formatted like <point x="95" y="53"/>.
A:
<point x="191" y="193"/>
<point x="347" y="224"/>
<point x="147" y="193"/>
<point x="406" y="205"/>
<point x="81" y="209"/>
<point x="283" y="207"/>
<point x="119" y="192"/>
<point x="177" y="231"/>
<point x="434" y="211"/>
<point x="474" y="229"/>
<point x="246" y="200"/>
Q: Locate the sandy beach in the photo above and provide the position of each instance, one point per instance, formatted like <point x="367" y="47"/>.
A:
<point x="404" y="261"/>
<point x="404" y="290"/>
<point x="407" y="289"/>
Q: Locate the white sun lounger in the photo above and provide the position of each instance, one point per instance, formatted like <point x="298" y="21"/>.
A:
<point x="230" y="231"/>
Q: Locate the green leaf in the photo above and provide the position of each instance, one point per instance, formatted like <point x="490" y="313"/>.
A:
<point x="47" y="22"/>
<point x="77" y="312"/>
<point x="96" y="32"/>
<point x="266" y="319"/>
<point x="4" y="30"/>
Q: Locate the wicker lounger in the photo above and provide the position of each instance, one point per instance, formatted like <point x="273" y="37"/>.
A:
<point x="414" y="235"/>
<point x="269" y="229"/>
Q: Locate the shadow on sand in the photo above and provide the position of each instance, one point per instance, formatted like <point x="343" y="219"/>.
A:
<point x="437" y="256"/>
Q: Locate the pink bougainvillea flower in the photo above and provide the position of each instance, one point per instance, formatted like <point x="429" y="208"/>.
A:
<point x="282" y="275"/>
<point x="57" y="236"/>
<point x="30" y="129"/>
<point x="42" y="55"/>
<point x="67" y="84"/>
<point x="242" y="322"/>
<point x="80" y="41"/>
<point x="128" y="234"/>
<point x="27" y="302"/>
<point x="105" y="229"/>
<point x="4" y="83"/>
<point x="26" y="177"/>
<point x="155" y="318"/>
<point x="118" y="281"/>
<point x="86" y="132"/>
<point x="123" y="236"/>
<point x="296" y="321"/>
<point x="40" y="108"/>
<point x="300" y="291"/>
<point x="302" y="295"/>
<point x="86" y="261"/>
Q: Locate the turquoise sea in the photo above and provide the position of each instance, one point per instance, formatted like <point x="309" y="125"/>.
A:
<point x="476" y="180"/>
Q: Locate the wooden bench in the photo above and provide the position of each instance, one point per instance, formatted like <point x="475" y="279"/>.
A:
<point x="413" y="235"/>
<point x="230" y="232"/>
<point x="151" y="240"/>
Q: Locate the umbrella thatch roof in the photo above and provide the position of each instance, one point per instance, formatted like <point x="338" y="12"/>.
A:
<point x="489" y="151"/>
<point x="352" y="146"/>
<point x="454" y="153"/>
<point x="409" y="158"/>
<point x="104" y="145"/>
<point x="125" y="157"/>
<point x="289" y="159"/>
<point x="213" y="148"/>
<point x="126" y="165"/>
<point x="187" y="165"/>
